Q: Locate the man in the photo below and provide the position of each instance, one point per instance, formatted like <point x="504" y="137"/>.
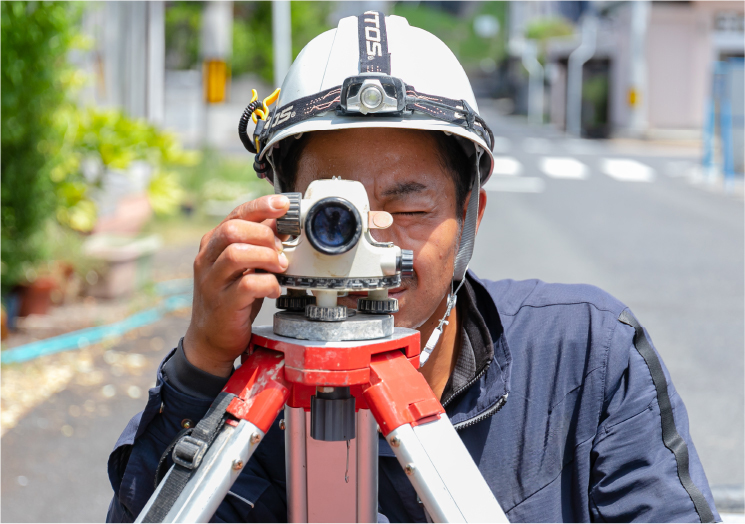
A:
<point x="592" y="429"/>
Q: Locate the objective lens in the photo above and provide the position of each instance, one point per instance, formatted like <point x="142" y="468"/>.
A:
<point x="371" y="97"/>
<point x="333" y="226"/>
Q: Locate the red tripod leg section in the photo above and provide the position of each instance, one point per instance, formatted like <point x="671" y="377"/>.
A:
<point x="260" y="387"/>
<point x="398" y="394"/>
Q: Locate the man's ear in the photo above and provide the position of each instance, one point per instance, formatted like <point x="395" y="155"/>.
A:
<point x="482" y="206"/>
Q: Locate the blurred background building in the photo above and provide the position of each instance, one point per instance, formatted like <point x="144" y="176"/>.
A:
<point x="657" y="70"/>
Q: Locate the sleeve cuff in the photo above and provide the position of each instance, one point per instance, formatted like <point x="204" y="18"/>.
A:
<point x="190" y="380"/>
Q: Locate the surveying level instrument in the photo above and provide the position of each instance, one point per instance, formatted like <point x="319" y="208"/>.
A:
<point x="341" y="375"/>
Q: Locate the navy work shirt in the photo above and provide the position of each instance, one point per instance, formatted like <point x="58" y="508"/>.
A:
<point x="557" y="393"/>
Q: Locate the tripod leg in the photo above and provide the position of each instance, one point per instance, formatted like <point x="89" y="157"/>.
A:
<point x="367" y="467"/>
<point x="426" y="445"/>
<point x="194" y="487"/>
<point x="296" y="465"/>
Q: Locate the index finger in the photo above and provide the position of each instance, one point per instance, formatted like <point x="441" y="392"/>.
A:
<point x="260" y="209"/>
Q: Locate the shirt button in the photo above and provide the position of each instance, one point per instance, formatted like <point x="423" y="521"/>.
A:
<point x="187" y="423"/>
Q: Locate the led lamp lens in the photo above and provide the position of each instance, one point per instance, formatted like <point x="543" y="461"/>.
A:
<point x="371" y="97"/>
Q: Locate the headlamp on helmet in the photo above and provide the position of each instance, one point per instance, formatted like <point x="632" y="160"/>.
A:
<point x="372" y="94"/>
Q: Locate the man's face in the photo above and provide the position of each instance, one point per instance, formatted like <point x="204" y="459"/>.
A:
<point x="401" y="172"/>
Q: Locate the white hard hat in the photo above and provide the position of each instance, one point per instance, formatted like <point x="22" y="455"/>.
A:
<point x="377" y="56"/>
<point x="377" y="71"/>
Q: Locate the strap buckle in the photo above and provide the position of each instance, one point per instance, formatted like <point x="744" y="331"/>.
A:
<point x="189" y="452"/>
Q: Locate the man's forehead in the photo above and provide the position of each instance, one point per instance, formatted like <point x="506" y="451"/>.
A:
<point x="395" y="163"/>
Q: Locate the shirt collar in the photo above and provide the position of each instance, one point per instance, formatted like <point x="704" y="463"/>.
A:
<point x="477" y="349"/>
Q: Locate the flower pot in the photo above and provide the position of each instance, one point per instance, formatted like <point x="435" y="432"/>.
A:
<point x="37" y="297"/>
<point x="4" y="326"/>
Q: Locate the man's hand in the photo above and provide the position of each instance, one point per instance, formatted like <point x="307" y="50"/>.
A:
<point x="228" y="290"/>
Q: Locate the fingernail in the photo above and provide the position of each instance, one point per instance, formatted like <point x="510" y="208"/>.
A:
<point x="278" y="201"/>
<point x="283" y="260"/>
<point x="278" y="244"/>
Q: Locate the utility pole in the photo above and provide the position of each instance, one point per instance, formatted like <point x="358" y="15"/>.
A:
<point x="216" y="46"/>
<point x="281" y="39"/>
<point x="637" y="93"/>
<point x="577" y="60"/>
<point x="133" y="49"/>
<point x="156" y="61"/>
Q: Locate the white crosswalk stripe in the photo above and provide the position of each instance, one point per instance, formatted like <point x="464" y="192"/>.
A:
<point x="563" y="167"/>
<point x="627" y="170"/>
<point x="527" y="184"/>
<point x="507" y="166"/>
<point x="508" y="171"/>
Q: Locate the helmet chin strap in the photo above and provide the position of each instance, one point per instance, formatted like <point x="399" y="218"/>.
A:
<point x="465" y="251"/>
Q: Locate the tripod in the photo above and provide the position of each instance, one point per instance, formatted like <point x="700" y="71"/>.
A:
<point x="378" y="378"/>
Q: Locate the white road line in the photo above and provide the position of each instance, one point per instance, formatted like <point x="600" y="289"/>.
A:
<point x="502" y="144"/>
<point x="537" y="146"/>
<point x="626" y="170"/>
<point x="507" y="166"/>
<point x="563" y="167"/>
<point x="526" y="184"/>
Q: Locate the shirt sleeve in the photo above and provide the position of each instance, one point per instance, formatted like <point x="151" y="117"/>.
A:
<point x="189" y="379"/>
<point x="645" y="466"/>
<point x="135" y="457"/>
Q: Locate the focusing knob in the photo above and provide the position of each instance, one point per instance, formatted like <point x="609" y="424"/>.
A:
<point x="377" y="307"/>
<point x="406" y="263"/>
<point x="326" y="314"/>
<point x="289" y="224"/>
<point x="295" y="303"/>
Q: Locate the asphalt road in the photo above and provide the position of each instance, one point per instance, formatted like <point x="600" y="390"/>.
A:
<point x="668" y="248"/>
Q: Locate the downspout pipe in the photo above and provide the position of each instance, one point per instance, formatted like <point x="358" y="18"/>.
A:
<point x="577" y="59"/>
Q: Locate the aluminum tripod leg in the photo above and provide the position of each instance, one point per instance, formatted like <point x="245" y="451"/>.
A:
<point x="426" y="445"/>
<point x="309" y="488"/>
<point x="211" y="482"/>
<point x="260" y="393"/>
<point x="296" y="465"/>
<point x="367" y="467"/>
<point x="443" y="473"/>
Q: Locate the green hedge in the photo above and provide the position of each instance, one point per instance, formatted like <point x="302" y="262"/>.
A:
<point x="36" y="37"/>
